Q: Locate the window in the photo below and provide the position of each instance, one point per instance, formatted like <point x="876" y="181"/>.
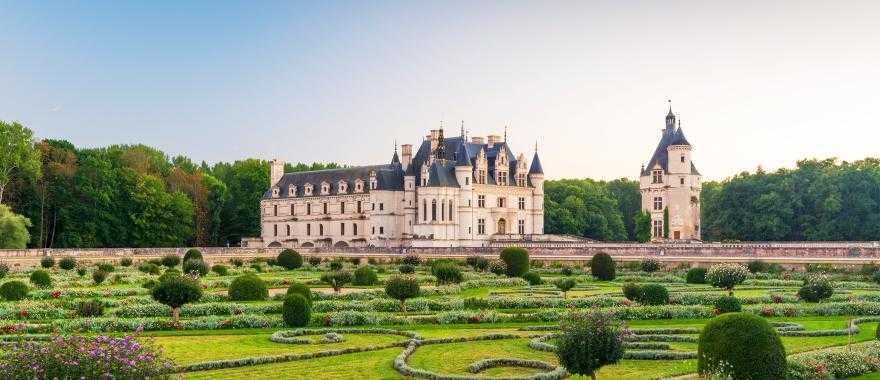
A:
<point x="450" y="211"/>
<point x="681" y="180"/>
<point x="325" y="208"/>
<point x="342" y="187"/>
<point x="354" y="228"/>
<point x="481" y="201"/>
<point x="320" y="230"/>
<point x="658" y="203"/>
<point x="502" y="178"/>
<point x="374" y="230"/>
<point x="434" y="210"/>
<point x="291" y="191"/>
<point x="521" y="203"/>
<point x="658" y="228"/>
<point x="275" y="227"/>
<point x="359" y="207"/>
<point x="342" y="229"/>
<point x="275" y="210"/>
<point x="308" y="209"/>
<point x="521" y="227"/>
<point x="657" y="176"/>
<point x="307" y="189"/>
<point x="381" y="230"/>
<point x="424" y="210"/>
<point x="682" y="158"/>
<point x="467" y="180"/>
<point x="342" y="207"/>
<point x="381" y="206"/>
<point x="481" y="226"/>
<point x="292" y="210"/>
<point x="521" y="179"/>
<point x="325" y="188"/>
<point x="309" y="229"/>
<point x="288" y="230"/>
<point x="502" y="202"/>
<point x="274" y="192"/>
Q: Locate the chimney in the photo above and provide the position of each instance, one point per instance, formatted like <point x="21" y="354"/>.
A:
<point x="434" y="137"/>
<point x="492" y="140"/>
<point x="276" y="171"/>
<point x="406" y="152"/>
<point x="477" y="140"/>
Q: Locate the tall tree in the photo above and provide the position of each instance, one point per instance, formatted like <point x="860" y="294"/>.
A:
<point x="17" y="154"/>
<point x="13" y="229"/>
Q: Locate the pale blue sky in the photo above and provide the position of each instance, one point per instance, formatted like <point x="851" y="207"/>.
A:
<point x="755" y="82"/>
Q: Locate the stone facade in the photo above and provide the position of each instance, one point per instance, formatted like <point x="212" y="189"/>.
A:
<point x="450" y="193"/>
<point x="671" y="182"/>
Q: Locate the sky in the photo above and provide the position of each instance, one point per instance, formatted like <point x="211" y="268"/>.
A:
<point x="754" y="82"/>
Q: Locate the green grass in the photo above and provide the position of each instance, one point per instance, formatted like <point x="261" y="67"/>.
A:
<point x="358" y="366"/>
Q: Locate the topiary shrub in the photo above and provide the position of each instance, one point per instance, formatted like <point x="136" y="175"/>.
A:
<point x="566" y="271"/>
<point x="696" y="276"/>
<point x="365" y="276"/>
<point x="516" y="260"/>
<point x="92" y="308"/>
<point x="47" y="262"/>
<point x="220" y="269"/>
<point x="446" y="272"/>
<point x="296" y="310"/>
<point x="99" y="276"/>
<point x="4" y="270"/>
<point x="632" y="291"/>
<point x="13" y="290"/>
<point x="301" y="289"/>
<point x="248" y="287"/>
<point x="402" y="288"/>
<point x="758" y="266"/>
<point x="588" y="341"/>
<point x="106" y="267"/>
<point x="149" y="268"/>
<point x="741" y="346"/>
<point x="314" y="261"/>
<point x="564" y="285"/>
<point x="727" y="304"/>
<point x="406" y="269"/>
<point x="41" y="278"/>
<point x="650" y="265"/>
<point x="126" y="261"/>
<point x="176" y="291"/>
<point x="81" y="271"/>
<point x="726" y="276"/>
<point x="654" y="294"/>
<point x="602" y="266"/>
<point x="290" y="259"/>
<point x="195" y="266"/>
<point x="335" y="265"/>
<point x="497" y="267"/>
<point x="67" y="263"/>
<point x="816" y="288"/>
<point x="533" y="278"/>
<point x="336" y="279"/>
<point x="192" y="254"/>
<point x="412" y="260"/>
<point x="171" y="261"/>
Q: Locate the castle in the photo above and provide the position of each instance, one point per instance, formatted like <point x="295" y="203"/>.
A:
<point x="451" y="193"/>
<point x="670" y="184"/>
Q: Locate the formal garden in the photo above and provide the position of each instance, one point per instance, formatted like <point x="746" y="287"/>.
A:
<point x="505" y="317"/>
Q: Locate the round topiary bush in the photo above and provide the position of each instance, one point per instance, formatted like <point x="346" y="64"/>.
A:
<point x="402" y="288"/>
<point x="81" y="271"/>
<point x="406" y="269"/>
<point x="126" y="261"/>
<point x="650" y="265"/>
<point x="696" y="276"/>
<point x="446" y="272"/>
<point x="516" y="260"/>
<point x="175" y="291"/>
<point x="4" y="270"/>
<point x="47" y="262"/>
<point x="220" y="269"/>
<point x="758" y="266"/>
<point x="248" y="287"/>
<point x="654" y="294"/>
<point x="588" y="341"/>
<point x="296" y="310"/>
<point x="497" y="267"/>
<point x="602" y="266"/>
<point x="301" y="289"/>
<point x="67" y="263"/>
<point x="149" y="268"/>
<point x="41" y="278"/>
<point x="632" y="291"/>
<point x="564" y="285"/>
<point x="533" y="278"/>
<point x="290" y="259"/>
<point x="741" y="346"/>
<point x="192" y="254"/>
<point x="99" y="276"/>
<point x="13" y="290"/>
<point x="92" y="308"/>
<point x="314" y="261"/>
<point x="816" y="288"/>
<point x="727" y="304"/>
<point x="195" y="266"/>
<point x="171" y="261"/>
<point x="365" y="276"/>
<point x="726" y="276"/>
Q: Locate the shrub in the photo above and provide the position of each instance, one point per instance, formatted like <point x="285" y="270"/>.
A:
<point x="533" y="278"/>
<point x="4" y="270"/>
<point x="99" y="276"/>
<point x="13" y="290"/>
<point x="696" y="276"/>
<point x="602" y="266"/>
<point x="479" y="263"/>
<point x="47" y="262"/>
<point x="195" y="266"/>
<point x="170" y="272"/>
<point x="257" y="267"/>
<point x="272" y="262"/>
<point x="406" y="269"/>
<point x="176" y="291"/>
<point x="314" y="261"/>
<point x="355" y="260"/>
<point x="296" y="310"/>
<point x="67" y="263"/>
<point x="106" y="267"/>
<point x="81" y="271"/>
<point x="92" y="308"/>
<point x="876" y="277"/>
<point x="516" y="260"/>
<point x="564" y="285"/>
<point x="654" y="294"/>
<point x="727" y="304"/>
<point x="149" y="268"/>
<point x="220" y="269"/>
<point x="171" y="261"/>
<point x="589" y="341"/>
<point x="191" y="254"/>
<point x="566" y="271"/>
<point x="336" y="279"/>
<point x="632" y="291"/>
<point x="335" y="265"/>
<point x="236" y="262"/>
<point x="40" y="278"/>
<point x="650" y="265"/>
<point x="365" y="276"/>
<point x="497" y="267"/>
<point x="726" y="276"/>
<point x="447" y="272"/>
<point x="758" y="266"/>
<point x="816" y="288"/>
<point x="149" y="284"/>
<point x="412" y="260"/>
<point x="126" y="261"/>
<point x="248" y="287"/>
<point x="301" y="289"/>
<point x="290" y="259"/>
<point x="402" y="288"/>
<point x="741" y="346"/>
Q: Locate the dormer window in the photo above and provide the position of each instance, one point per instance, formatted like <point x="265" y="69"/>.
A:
<point x="307" y="189"/>
<point x="358" y="186"/>
<point x="343" y="187"/>
<point x="657" y="176"/>
<point x="291" y="191"/>
<point x="374" y="183"/>
<point x="521" y="179"/>
<point x="325" y="188"/>
<point x="502" y="178"/>
<point x="275" y="192"/>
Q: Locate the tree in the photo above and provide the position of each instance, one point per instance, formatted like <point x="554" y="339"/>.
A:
<point x="629" y="202"/>
<point x="336" y="279"/>
<point x="642" y="222"/>
<point x="589" y="341"/>
<point x="290" y="259"/>
<point x="402" y="288"/>
<point x="296" y="310"/>
<point x="176" y="291"/>
<point x="583" y="208"/>
<point x="726" y="276"/>
<point x="516" y="260"/>
<point x="17" y="154"/>
<point x="13" y="229"/>
<point x="564" y="285"/>
<point x="666" y="222"/>
<point x="602" y="266"/>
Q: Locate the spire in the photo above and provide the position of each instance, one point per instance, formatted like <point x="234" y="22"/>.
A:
<point x="440" y="153"/>
<point x="670" y="119"/>
<point x="395" y="159"/>
<point x="461" y="156"/>
<point x="536" y="165"/>
<point x="505" y="134"/>
<point x="462" y="130"/>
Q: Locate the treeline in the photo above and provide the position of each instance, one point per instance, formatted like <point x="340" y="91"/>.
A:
<point x="594" y="209"/>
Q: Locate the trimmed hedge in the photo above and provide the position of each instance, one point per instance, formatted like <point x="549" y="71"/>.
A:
<point x="696" y="276"/>
<point x="301" y="289"/>
<point x="602" y="267"/>
<point x="192" y="254"/>
<point x="195" y="266"/>
<point x="727" y="304"/>
<point x="516" y="261"/>
<point x="365" y="276"/>
<point x="248" y="287"/>
<point x="296" y="310"/>
<point x="290" y="259"/>
<point x="533" y="278"/>
<point x="447" y="272"/>
<point x="47" y="262"/>
<point x="654" y="294"/>
<point x="67" y="263"/>
<point x="741" y="346"/>
<point x="13" y="290"/>
<point x="40" y="278"/>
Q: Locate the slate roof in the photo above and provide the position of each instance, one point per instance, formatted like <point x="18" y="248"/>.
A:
<point x="536" y="165"/>
<point x="442" y="174"/>
<point x="388" y="177"/>
<point x="673" y="136"/>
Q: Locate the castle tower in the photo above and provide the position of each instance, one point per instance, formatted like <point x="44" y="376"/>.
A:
<point x="670" y="184"/>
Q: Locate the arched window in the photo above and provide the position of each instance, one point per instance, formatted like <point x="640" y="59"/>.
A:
<point x="434" y="210"/>
<point x="450" y="212"/>
<point x="424" y="210"/>
<point x="320" y="230"/>
<point x="443" y="210"/>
